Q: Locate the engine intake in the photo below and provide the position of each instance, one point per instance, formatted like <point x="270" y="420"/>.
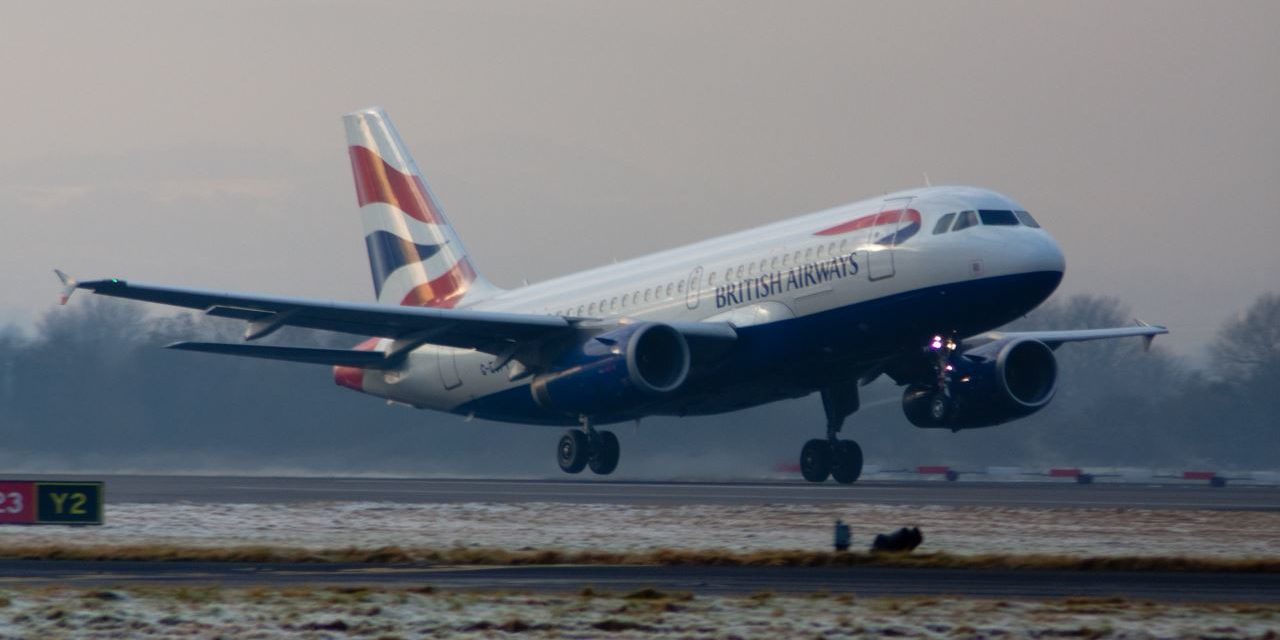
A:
<point x="990" y="384"/>
<point x="615" y="370"/>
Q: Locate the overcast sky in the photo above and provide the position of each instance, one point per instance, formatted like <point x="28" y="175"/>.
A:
<point x="200" y="143"/>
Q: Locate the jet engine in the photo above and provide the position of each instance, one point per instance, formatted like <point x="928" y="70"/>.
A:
<point x="984" y="386"/>
<point x="615" y="370"/>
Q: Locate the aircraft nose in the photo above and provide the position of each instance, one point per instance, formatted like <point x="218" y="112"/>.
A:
<point x="1047" y="256"/>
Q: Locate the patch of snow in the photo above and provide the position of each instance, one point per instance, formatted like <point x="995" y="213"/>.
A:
<point x="612" y="527"/>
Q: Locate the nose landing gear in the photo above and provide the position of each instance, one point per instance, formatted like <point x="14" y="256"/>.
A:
<point x="588" y="448"/>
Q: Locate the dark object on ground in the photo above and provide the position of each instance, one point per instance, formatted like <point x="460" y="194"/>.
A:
<point x="842" y="536"/>
<point x="903" y="539"/>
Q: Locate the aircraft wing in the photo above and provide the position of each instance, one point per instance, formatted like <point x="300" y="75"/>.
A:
<point x="485" y="331"/>
<point x="1056" y="339"/>
<point x="506" y="335"/>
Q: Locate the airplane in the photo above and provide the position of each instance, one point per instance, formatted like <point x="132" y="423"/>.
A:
<point x="911" y="285"/>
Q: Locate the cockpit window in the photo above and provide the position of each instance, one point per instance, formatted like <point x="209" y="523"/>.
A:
<point x="967" y="219"/>
<point x="944" y="223"/>
<point x="998" y="217"/>
<point x="1026" y="219"/>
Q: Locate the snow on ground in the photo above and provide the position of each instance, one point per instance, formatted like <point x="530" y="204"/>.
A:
<point x="339" y="613"/>
<point x="611" y="527"/>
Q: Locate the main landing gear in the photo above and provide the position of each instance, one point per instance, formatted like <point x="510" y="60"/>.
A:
<point x="580" y="449"/>
<point x="839" y="459"/>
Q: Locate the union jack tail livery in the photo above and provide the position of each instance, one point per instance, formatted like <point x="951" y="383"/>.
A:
<point x="414" y="254"/>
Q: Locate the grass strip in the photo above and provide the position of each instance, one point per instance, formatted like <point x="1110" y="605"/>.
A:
<point x="662" y="557"/>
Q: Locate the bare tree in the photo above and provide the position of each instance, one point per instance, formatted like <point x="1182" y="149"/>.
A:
<point x="1249" y="343"/>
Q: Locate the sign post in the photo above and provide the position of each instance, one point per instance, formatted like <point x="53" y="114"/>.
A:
<point x="46" y="502"/>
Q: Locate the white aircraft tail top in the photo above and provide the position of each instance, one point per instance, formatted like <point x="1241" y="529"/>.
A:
<point x="415" y="256"/>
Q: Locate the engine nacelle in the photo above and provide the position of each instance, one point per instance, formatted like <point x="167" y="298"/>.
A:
<point x="615" y="370"/>
<point x="990" y="384"/>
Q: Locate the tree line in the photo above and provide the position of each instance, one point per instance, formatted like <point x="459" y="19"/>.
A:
<point x="89" y="388"/>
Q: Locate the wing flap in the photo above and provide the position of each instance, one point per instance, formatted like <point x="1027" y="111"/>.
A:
<point x="340" y="357"/>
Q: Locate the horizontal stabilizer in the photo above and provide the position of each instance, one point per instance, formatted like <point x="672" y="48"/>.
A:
<point x="340" y="357"/>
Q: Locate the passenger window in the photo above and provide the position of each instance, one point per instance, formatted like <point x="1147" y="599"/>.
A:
<point x="646" y="295"/>
<point x="797" y="257"/>
<point x="773" y="264"/>
<point x="944" y="223"/>
<point x="844" y="244"/>
<point x="821" y="249"/>
<point x="592" y="309"/>
<point x="998" y="217"/>
<point x="680" y="287"/>
<point x="1025" y="218"/>
<point x="786" y="259"/>
<point x="751" y="269"/>
<point x="967" y="219"/>
<point x="808" y="253"/>
<point x="669" y="289"/>
<point x="711" y="279"/>
<point x="613" y="304"/>
<point x="831" y="249"/>
<point x="741" y="271"/>
<point x="763" y="264"/>
<point x="728" y="274"/>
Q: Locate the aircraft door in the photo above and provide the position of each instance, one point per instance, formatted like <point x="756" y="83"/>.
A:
<point x="882" y="235"/>
<point x="447" y="365"/>
<point x="693" y="288"/>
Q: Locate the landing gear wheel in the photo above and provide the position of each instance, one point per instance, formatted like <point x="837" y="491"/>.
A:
<point x="604" y="453"/>
<point x="846" y="461"/>
<point x="573" y="451"/>
<point x="815" y="460"/>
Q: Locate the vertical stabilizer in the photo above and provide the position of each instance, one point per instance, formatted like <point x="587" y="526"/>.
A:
<point x="414" y="254"/>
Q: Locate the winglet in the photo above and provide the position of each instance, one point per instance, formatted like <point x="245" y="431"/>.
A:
<point x="69" y="285"/>
<point x="1148" y="339"/>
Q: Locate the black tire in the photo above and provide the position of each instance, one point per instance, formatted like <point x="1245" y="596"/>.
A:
<point x="846" y="462"/>
<point x="573" y="451"/>
<point x="815" y="460"/>
<point x="605" y="452"/>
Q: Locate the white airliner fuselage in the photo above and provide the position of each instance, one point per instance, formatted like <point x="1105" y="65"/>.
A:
<point x="840" y="291"/>
<point x="908" y="285"/>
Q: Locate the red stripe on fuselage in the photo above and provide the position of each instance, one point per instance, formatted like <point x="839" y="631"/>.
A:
<point x="443" y="292"/>
<point x="873" y="220"/>
<point x="353" y="377"/>
<point x="377" y="181"/>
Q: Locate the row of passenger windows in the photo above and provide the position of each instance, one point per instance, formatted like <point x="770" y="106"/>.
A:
<point x="673" y="289"/>
<point x="990" y="217"/>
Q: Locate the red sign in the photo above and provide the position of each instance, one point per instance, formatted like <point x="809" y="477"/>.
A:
<point x="17" y="502"/>
<point x="1198" y="475"/>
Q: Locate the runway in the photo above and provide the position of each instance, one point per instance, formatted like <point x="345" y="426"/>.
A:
<point x="862" y="581"/>
<point x="292" y="490"/>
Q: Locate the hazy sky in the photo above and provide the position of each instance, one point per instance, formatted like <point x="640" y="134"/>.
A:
<point x="200" y="143"/>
